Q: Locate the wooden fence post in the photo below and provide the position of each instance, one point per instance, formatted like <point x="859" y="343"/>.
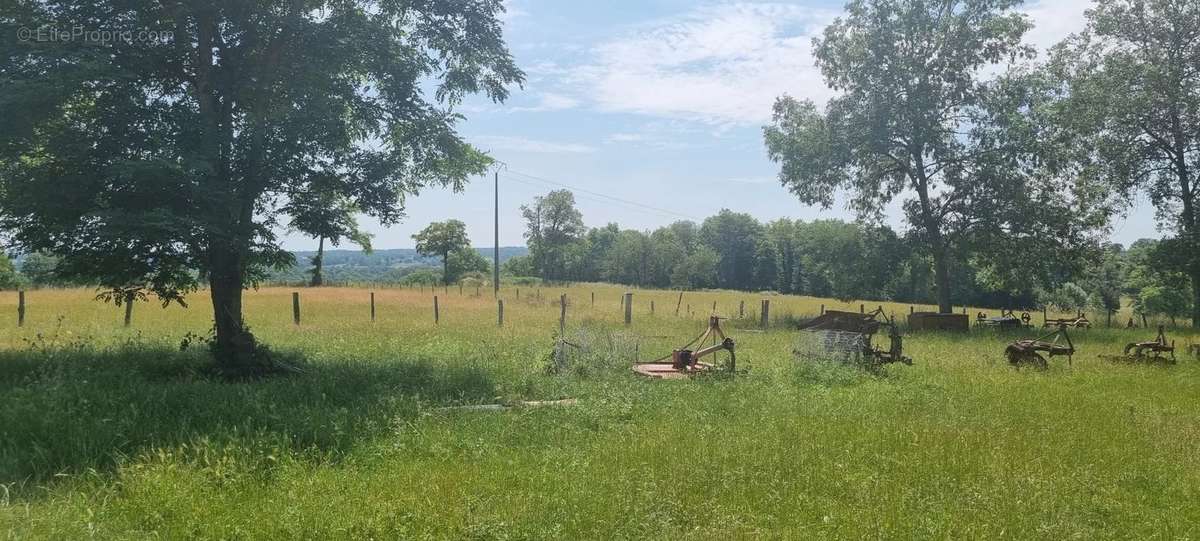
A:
<point x="500" y="312"/>
<point x="822" y="309"/>
<point x="21" y="308"/>
<point x="678" y="302"/>
<point x="128" y="309"/>
<point x="651" y="307"/>
<point x="862" y="308"/>
<point x="562" y="314"/>
<point x="436" y="315"/>
<point x="911" y="310"/>
<point x="714" y="307"/>
<point x="766" y="313"/>
<point x="518" y="293"/>
<point x="460" y="289"/>
<point x="372" y="306"/>
<point x="628" y="300"/>
<point x="741" y="308"/>
<point x="296" y="307"/>
<point x="593" y="298"/>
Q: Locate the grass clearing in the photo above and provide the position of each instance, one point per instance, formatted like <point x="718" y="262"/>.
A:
<point x="115" y="433"/>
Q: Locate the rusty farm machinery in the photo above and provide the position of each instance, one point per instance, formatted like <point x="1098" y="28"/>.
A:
<point x="1028" y="352"/>
<point x="1008" y="320"/>
<point x="850" y="333"/>
<point x="1080" y="321"/>
<point x="1150" y="351"/>
<point x="685" y="361"/>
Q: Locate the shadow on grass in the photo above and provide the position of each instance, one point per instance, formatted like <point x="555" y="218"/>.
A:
<point x="78" y="409"/>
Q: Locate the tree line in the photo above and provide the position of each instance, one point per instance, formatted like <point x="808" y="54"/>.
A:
<point x="830" y="258"/>
<point x="1013" y="163"/>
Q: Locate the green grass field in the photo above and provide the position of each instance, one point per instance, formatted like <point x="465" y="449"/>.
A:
<point x="111" y="432"/>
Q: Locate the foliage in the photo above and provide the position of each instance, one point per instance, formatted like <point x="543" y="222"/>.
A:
<point x="914" y="115"/>
<point x="9" y="277"/>
<point x="139" y="162"/>
<point x="1106" y="281"/>
<point x="424" y="277"/>
<point x="324" y="213"/>
<point x="465" y="261"/>
<point x="1134" y="93"/>
<point x="1067" y="298"/>
<point x="553" y="229"/>
<point x="443" y="239"/>
<point x="39" y="268"/>
<point x="521" y="265"/>
<point x="1157" y="289"/>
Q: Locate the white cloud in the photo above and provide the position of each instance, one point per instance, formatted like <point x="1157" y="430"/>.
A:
<point x="627" y="137"/>
<point x="723" y="65"/>
<point x="511" y="12"/>
<point x="726" y="64"/>
<point x="1054" y="20"/>
<point x="523" y="144"/>
<point x="548" y="101"/>
<point x="752" y="180"/>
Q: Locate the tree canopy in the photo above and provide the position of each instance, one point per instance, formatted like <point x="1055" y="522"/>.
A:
<point x="552" y="228"/>
<point x="443" y="239"/>
<point x="916" y="115"/>
<point x="1132" y="102"/>
<point x="139" y="162"/>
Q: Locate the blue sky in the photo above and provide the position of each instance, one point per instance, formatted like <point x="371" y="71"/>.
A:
<point x="659" y="103"/>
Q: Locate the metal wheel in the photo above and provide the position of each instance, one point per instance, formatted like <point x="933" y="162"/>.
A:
<point x="1018" y="357"/>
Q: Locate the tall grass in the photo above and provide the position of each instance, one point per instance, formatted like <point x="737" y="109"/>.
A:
<point x="116" y="433"/>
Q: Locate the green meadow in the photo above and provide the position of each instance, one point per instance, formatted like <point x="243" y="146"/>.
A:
<point x="117" y="432"/>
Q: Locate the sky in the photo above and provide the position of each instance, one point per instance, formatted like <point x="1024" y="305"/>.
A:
<point x="652" y="111"/>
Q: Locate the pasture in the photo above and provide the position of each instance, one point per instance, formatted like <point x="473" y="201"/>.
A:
<point x="115" y="433"/>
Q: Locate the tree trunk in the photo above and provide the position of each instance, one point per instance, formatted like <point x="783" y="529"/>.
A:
<point x="318" y="261"/>
<point x="941" y="277"/>
<point x="932" y="223"/>
<point x="235" y="348"/>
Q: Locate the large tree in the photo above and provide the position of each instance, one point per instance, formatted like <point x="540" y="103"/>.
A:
<point x="553" y="227"/>
<point x="1133" y="85"/>
<point x="442" y="239"/>
<point x="908" y="77"/>
<point x="139" y="161"/>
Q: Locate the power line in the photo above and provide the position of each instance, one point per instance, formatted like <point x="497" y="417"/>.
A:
<point x="608" y="198"/>
<point x="587" y="197"/>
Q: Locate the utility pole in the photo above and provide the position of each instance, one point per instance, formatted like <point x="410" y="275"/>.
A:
<point x="496" y="253"/>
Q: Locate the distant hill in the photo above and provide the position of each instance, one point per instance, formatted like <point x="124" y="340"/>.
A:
<point x="379" y="266"/>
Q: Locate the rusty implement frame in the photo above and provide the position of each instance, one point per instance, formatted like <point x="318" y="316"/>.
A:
<point x="685" y="362"/>
<point x="1158" y="346"/>
<point x="1008" y="320"/>
<point x="1080" y="322"/>
<point x="866" y="324"/>
<point x="1028" y="351"/>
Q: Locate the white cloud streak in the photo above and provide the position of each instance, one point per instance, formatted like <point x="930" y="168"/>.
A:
<point x="523" y="144"/>
<point x="721" y="65"/>
<point x="725" y="65"/>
